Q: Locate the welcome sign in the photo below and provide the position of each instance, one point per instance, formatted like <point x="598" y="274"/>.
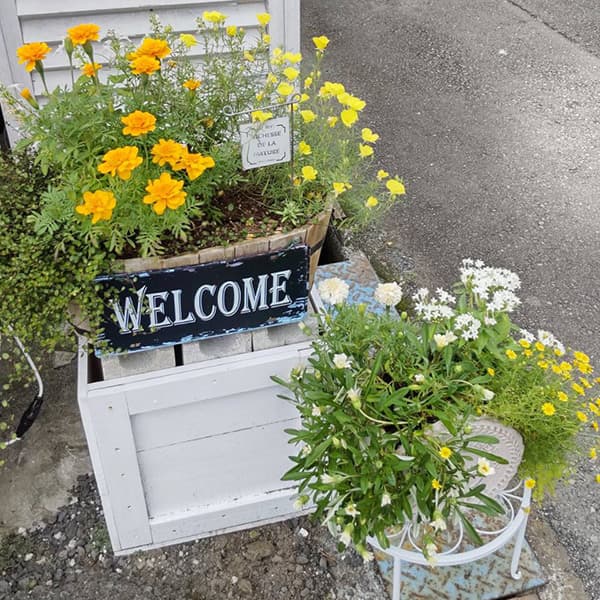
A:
<point x="172" y="306"/>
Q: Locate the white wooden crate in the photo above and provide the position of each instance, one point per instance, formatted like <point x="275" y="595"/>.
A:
<point x="191" y="451"/>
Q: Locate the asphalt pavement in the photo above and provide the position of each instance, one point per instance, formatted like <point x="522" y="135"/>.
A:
<point x="490" y="112"/>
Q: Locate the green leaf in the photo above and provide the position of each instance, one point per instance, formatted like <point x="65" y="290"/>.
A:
<point x="483" y="439"/>
<point x="471" y="532"/>
<point x="488" y="455"/>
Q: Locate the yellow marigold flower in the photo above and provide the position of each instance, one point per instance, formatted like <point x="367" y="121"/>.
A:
<point x="527" y="353"/>
<point x="445" y="452"/>
<point x="138" y="123"/>
<point x="263" y="18"/>
<point x="395" y="187"/>
<point x="291" y="73"/>
<point x="351" y="101"/>
<point x="582" y="416"/>
<point x="332" y="121"/>
<point x="164" y="193"/>
<point x="491" y="372"/>
<point x="593" y="454"/>
<point x="577" y="388"/>
<point x="320" y="42"/>
<point x="309" y="173"/>
<point x="349" y="116"/>
<point x="167" y="151"/>
<point x="524" y="343"/>
<point x="365" y="150"/>
<point x="584" y="367"/>
<point x="539" y="346"/>
<point x="81" y="34"/>
<point x="231" y="30"/>
<point x="144" y="65"/>
<point x="154" y="47"/>
<point x="304" y="148"/>
<point x="192" y="84"/>
<point x="32" y="53"/>
<point x="261" y="115"/>
<point x="99" y="204"/>
<point x="381" y="174"/>
<point x="248" y="56"/>
<point x="371" y="202"/>
<point x="285" y="89"/>
<point x="368" y="136"/>
<point x="562" y="396"/>
<point x="292" y="57"/>
<point x="213" y="16"/>
<point x="511" y="354"/>
<point x="530" y="483"/>
<point x="565" y="366"/>
<point x="308" y="82"/>
<point x="90" y="69"/>
<point x="195" y="164"/>
<point x="435" y="484"/>
<point x="188" y="39"/>
<point x="308" y="116"/>
<point x="120" y="162"/>
<point x="548" y="409"/>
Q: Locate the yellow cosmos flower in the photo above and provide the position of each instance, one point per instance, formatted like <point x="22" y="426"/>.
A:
<point x="332" y="121"/>
<point x="213" y="16"/>
<point x="365" y="150"/>
<point x="120" y="162"/>
<point x="491" y="372"/>
<point x="582" y="416"/>
<point x="231" y="30"/>
<point x="548" y="409"/>
<point x="167" y="151"/>
<point x="395" y="187"/>
<point x="309" y="173"/>
<point x="371" y="202"/>
<point x="285" y="89"/>
<point x="381" y="174"/>
<point x="329" y="89"/>
<point x="188" y="39"/>
<point x="261" y="115"/>
<point x="263" y="19"/>
<point x="349" y="116"/>
<point x="99" y="204"/>
<point x="445" y="452"/>
<point x="308" y="116"/>
<point x="320" y="42"/>
<point x="530" y="483"/>
<point x="90" y="69"/>
<point x="291" y="73"/>
<point x="524" y="343"/>
<point x="598" y="478"/>
<point x="368" y="136"/>
<point x="578" y="389"/>
<point x="511" y="354"/>
<point x="81" y="34"/>
<point x="435" y="484"/>
<point x="153" y="47"/>
<point x="248" y="56"/>
<point x="194" y="164"/>
<point x="304" y="148"/>
<point x="192" y="84"/>
<point x="562" y="396"/>
<point x="144" y="65"/>
<point x="351" y="101"/>
<point x="138" y="123"/>
<point x="164" y="192"/>
<point x="32" y="53"/>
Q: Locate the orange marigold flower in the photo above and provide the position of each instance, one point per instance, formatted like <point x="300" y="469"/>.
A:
<point x="144" y="65"/>
<point x="152" y="47"/>
<point x="138" y="123"/>
<point x="81" y="34"/>
<point x="163" y="193"/>
<point x="99" y="204"/>
<point x="167" y="151"/>
<point x="195" y="164"/>
<point x="192" y="84"/>
<point x="32" y="53"/>
<point x="120" y="161"/>
<point x="91" y="68"/>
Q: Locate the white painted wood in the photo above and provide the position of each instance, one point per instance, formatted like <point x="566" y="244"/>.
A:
<point x="285" y="24"/>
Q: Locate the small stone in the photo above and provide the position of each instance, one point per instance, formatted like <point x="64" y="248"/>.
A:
<point x="323" y="563"/>
<point x="58" y="536"/>
<point x="234" y="579"/>
<point x="259" y="550"/>
<point x="245" y="586"/>
<point x="277" y="559"/>
<point x="302" y="559"/>
<point x="304" y="593"/>
<point x="58" y="574"/>
<point x="28" y="556"/>
<point x="302" y="532"/>
<point x="4" y="586"/>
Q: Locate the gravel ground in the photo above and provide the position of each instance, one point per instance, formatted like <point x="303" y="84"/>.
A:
<point x="69" y="557"/>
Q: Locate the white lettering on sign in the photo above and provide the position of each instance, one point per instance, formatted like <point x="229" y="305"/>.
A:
<point x="266" y="143"/>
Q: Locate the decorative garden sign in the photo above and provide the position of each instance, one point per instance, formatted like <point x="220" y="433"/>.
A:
<point x="265" y="143"/>
<point x="159" y="308"/>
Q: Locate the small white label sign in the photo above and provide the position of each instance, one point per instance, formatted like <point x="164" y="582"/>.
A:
<point x="265" y="143"/>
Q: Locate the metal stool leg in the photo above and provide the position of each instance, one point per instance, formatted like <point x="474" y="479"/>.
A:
<point x="396" y="575"/>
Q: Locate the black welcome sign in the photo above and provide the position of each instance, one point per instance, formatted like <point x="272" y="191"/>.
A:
<point x="172" y="306"/>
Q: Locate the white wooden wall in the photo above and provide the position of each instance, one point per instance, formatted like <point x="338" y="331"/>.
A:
<point x="23" y="21"/>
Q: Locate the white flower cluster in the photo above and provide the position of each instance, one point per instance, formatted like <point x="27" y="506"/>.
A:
<point x="503" y="301"/>
<point x="549" y="340"/>
<point x="484" y="281"/>
<point x="432" y="308"/>
<point x="467" y="326"/>
<point x="388" y="294"/>
<point x="333" y="290"/>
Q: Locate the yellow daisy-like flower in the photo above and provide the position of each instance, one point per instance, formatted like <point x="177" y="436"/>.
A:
<point x="99" y="204"/>
<point x="435" y="484"/>
<point x="598" y="478"/>
<point x="120" y="162"/>
<point x="581" y="356"/>
<point x="527" y="353"/>
<point x="445" y="452"/>
<point x="154" y="47"/>
<point x="266" y="38"/>
<point x="320" y="42"/>
<point x="292" y="57"/>
<point x="192" y="84"/>
<point x="263" y="19"/>
<point x="308" y="82"/>
<point x="349" y="116"/>
<point x="144" y="65"/>
<point x="368" y="136"/>
<point x="26" y="94"/>
<point x="582" y="416"/>
<point x="32" y="53"/>
<point x="291" y="73"/>
<point x="524" y="343"/>
<point x="511" y="354"/>
<point x="91" y="69"/>
<point x="381" y="175"/>
<point x="167" y="151"/>
<point x="231" y="30"/>
<point x="542" y="364"/>
<point x="593" y="454"/>
<point x="365" y="150"/>
<point x="351" y="101"/>
<point x="164" y="192"/>
<point x="562" y="396"/>
<point x="340" y="187"/>
<point x="371" y="202"/>
<point x="395" y="187"/>
<point x="491" y="372"/>
<point x="188" y="39"/>
<point x="304" y="148"/>
<point x="539" y="346"/>
<point x="261" y="115"/>
<point x="578" y="389"/>
<point x="308" y="116"/>
<point x="213" y="16"/>
<point x="585" y="383"/>
<point x="309" y="173"/>
<point x="138" y="123"/>
<point x="548" y="409"/>
<point x="248" y="56"/>
<point x="285" y="89"/>
<point x="595" y="426"/>
<point x="332" y="121"/>
<point x="81" y="34"/>
<point x="530" y="483"/>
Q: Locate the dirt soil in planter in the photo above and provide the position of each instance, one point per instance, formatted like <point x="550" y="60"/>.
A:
<point x="69" y="558"/>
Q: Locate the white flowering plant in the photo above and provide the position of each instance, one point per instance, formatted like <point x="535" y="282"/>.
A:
<point x="369" y="456"/>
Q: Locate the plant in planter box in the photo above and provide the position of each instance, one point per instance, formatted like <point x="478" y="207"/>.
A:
<point x="370" y="455"/>
<point x="144" y="152"/>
